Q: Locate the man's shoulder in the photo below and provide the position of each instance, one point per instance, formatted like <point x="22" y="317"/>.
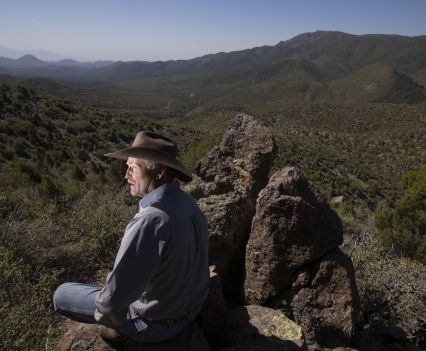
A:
<point x="152" y="216"/>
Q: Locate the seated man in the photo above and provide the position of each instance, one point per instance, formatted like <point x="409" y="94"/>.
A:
<point x="160" y="277"/>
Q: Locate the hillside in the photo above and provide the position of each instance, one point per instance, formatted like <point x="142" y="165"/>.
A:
<point x="360" y="151"/>
<point x="312" y="66"/>
<point x="44" y="137"/>
<point x="377" y="83"/>
<point x="54" y="176"/>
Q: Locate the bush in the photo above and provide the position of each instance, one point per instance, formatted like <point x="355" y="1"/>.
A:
<point x="392" y="288"/>
<point x="117" y="170"/>
<point x="53" y="233"/>
<point x="50" y="189"/>
<point x="21" y="148"/>
<point x="78" y="174"/>
<point x="25" y="303"/>
<point x="404" y="228"/>
<point x="8" y="154"/>
<point x="196" y="150"/>
<point x="31" y="171"/>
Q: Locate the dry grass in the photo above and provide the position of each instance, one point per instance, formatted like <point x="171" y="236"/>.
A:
<point x="392" y="288"/>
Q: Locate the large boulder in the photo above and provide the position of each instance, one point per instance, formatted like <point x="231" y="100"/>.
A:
<point x="292" y="227"/>
<point x="226" y="183"/>
<point x="324" y="301"/>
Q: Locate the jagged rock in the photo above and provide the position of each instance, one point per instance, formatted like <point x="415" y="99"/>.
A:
<point x="324" y="300"/>
<point x="292" y="227"/>
<point x="86" y="337"/>
<point x="262" y="328"/>
<point x="226" y="185"/>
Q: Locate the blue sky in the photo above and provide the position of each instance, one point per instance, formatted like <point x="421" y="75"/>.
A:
<point x="181" y="29"/>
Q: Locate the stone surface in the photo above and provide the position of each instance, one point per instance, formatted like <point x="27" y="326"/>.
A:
<point x="324" y="301"/>
<point x="292" y="227"/>
<point x="85" y="337"/>
<point x="262" y="328"/>
<point x="226" y="183"/>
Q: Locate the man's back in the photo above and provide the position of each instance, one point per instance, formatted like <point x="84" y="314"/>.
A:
<point x="180" y="282"/>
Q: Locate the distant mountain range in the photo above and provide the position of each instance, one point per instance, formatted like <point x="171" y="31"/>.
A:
<point x="331" y="54"/>
<point x="41" y="54"/>
<point x="27" y="64"/>
<point x="322" y="66"/>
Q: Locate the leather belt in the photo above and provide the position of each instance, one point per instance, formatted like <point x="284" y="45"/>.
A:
<point x="171" y="321"/>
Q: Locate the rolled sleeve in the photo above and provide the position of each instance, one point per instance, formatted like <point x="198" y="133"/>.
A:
<point x="137" y="259"/>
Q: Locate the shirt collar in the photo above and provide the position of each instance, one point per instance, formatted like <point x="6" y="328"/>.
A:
<point x="156" y="194"/>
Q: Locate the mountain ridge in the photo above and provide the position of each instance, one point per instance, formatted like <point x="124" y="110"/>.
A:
<point x="304" y="69"/>
<point x="323" y="48"/>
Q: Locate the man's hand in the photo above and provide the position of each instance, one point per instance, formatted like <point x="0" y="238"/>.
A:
<point x="109" y="319"/>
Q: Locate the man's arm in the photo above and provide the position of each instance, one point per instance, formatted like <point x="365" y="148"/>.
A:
<point x="138" y="257"/>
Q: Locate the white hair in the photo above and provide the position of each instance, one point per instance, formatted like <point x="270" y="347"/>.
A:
<point x="151" y="165"/>
<point x="155" y="166"/>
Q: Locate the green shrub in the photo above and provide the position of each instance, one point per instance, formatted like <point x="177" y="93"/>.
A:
<point x="53" y="233"/>
<point x="31" y="171"/>
<point x="197" y="149"/>
<point x="50" y="189"/>
<point x="21" y="148"/>
<point x="392" y="288"/>
<point x="25" y="303"/>
<point x="8" y="153"/>
<point x="403" y="228"/>
<point x="117" y="170"/>
<point x="78" y="174"/>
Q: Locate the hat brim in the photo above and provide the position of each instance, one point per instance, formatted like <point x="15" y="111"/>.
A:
<point x="154" y="156"/>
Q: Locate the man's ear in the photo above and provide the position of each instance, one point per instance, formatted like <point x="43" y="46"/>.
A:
<point x="162" y="172"/>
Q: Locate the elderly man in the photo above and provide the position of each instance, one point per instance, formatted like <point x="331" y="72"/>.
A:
<point x="160" y="277"/>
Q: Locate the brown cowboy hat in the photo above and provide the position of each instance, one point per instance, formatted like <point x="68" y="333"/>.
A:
<point x="156" y="148"/>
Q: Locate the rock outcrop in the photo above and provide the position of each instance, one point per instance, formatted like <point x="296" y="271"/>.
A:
<point x="292" y="227"/>
<point x="288" y="241"/>
<point x="293" y="261"/>
<point x="86" y="337"/>
<point x="226" y="184"/>
<point x="262" y="328"/>
<point x="324" y="301"/>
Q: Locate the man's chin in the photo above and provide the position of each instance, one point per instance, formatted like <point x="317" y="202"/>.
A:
<point x="134" y="193"/>
<point x="132" y="190"/>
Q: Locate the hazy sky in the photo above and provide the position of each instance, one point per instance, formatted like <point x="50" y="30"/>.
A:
<point x="181" y="29"/>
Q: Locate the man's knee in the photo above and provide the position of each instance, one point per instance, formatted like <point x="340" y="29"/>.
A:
<point x="60" y="296"/>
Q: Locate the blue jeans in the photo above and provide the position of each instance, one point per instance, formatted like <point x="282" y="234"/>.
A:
<point x="78" y="302"/>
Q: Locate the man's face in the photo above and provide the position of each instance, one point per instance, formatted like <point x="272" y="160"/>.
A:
<point x="140" y="178"/>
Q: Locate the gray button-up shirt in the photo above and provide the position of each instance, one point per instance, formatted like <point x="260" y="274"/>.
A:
<point x="161" y="269"/>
